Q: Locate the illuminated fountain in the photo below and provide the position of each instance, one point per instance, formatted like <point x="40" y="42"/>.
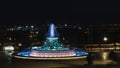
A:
<point x="52" y="49"/>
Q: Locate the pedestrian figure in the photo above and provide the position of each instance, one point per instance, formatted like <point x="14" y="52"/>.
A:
<point x="90" y="59"/>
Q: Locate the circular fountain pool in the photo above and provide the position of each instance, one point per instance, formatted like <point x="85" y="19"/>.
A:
<point x="36" y="52"/>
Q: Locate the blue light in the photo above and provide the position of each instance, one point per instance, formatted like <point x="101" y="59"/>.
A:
<point x="52" y="32"/>
<point x="23" y="53"/>
<point x="79" y="53"/>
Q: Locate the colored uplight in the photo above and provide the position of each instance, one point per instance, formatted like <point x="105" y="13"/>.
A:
<point x="80" y="53"/>
<point x="66" y="53"/>
<point x="23" y="53"/>
<point x="52" y="34"/>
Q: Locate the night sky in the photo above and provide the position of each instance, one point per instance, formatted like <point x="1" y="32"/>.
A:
<point x="73" y="12"/>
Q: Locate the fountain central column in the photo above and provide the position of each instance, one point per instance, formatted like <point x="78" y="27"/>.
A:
<point x="52" y="40"/>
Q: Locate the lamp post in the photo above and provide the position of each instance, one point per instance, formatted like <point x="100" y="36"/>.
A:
<point x="105" y="39"/>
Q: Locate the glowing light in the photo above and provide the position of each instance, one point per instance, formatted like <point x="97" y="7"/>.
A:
<point x="56" y="58"/>
<point x="37" y="32"/>
<point x="12" y="29"/>
<point x="80" y="28"/>
<point x="105" y="39"/>
<point x="30" y="36"/>
<point x="0" y="44"/>
<point x="6" y="48"/>
<point x="26" y="26"/>
<point x="19" y="44"/>
<point x="65" y="24"/>
<point x="86" y="32"/>
<point x="52" y="30"/>
<point x="19" y="28"/>
<point x="32" y="26"/>
<point x="104" y="55"/>
<point x="63" y="38"/>
<point x="52" y="53"/>
<point x="10" y="38"/>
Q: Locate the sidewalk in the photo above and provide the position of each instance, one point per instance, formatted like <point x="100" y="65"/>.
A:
<point x="103" y="62"/>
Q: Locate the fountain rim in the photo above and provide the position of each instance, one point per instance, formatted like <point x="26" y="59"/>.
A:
<point x="50" y="58"/>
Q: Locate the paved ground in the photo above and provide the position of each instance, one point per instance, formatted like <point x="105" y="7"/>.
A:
<point x="79" y="63"/>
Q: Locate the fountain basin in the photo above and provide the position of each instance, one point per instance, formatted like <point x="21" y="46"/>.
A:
<point x="41" y="54"/>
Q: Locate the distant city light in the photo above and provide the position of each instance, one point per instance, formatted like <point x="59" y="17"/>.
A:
<point x="63" y="38"/>
<point x="30" y="36"/>
<point x="19" y="44"/>
<point x="86" y="32"/>
<point x="32" y="26"/>
<point x="12" y="29"/>
<point x="80" y="28"/>
<point x="115" y="24"/>
<point x="19" y="28"/>
<point x="74" y="26"/>
<point x="10" y="38"/>
<point x="37" y="32"/>
<point x="26" y="26"/>
<point x="6" y="48"/>
<point x="31" y="32"/>
<point x="65" y="24"/>
<point x="0" y="44"/>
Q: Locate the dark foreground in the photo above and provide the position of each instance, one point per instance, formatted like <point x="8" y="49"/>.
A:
<point x="6" y="62"/>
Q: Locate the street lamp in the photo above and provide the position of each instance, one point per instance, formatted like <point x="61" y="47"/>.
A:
<point x="105" y="39"/>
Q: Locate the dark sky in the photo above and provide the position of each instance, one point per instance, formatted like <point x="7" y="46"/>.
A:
<point x="83" y="12"/>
